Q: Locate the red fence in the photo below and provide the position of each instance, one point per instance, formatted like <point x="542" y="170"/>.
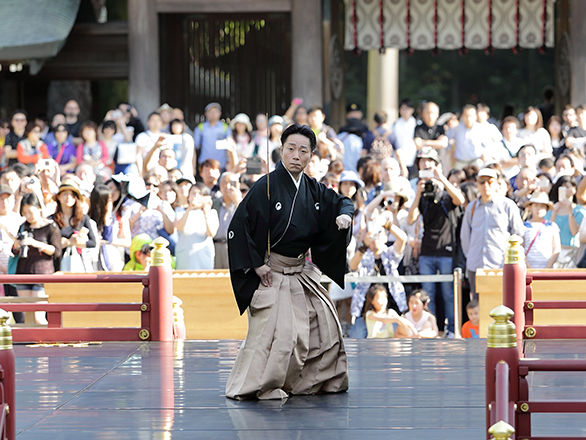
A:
<point x="508" y="408"/>
<point x="155" y="309"/>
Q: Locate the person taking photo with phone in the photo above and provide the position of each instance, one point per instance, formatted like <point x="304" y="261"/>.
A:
<point x="437" y="201"/>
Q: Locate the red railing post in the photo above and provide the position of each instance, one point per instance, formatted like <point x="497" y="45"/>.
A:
<point x="161" y="292"/>
<point x="9" y="374"/>
<point x="501" y="346"/>
<point x="514" y="282"/>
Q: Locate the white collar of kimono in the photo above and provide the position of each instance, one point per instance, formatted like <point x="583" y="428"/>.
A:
<point x="296" y="182"/>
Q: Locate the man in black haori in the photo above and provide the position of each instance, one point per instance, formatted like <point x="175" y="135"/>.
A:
<point x="294" y="343"/>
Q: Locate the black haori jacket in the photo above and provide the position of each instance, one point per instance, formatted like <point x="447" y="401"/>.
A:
<point x="299" y="220"/>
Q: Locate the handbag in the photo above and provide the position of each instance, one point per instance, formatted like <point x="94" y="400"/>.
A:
<point x="72" y="261"/>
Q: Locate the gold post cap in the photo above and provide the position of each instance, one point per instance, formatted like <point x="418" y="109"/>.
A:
<point x="502" y="332"/>
<point x="160" y="255"/>
<point x="501" y="430"/>
<point x="515" y="254"/>
<point x="5" y="331"/>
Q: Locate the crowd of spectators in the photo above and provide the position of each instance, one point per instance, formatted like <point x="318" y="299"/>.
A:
<point x="432" y="192"/>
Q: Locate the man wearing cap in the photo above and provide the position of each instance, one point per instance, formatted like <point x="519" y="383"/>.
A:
<point x="354" y="117"/>
<point x="294" y="343"/>
<point x="436" y="200"/>
<point x="208" y="133"/>
<point x="488" y="223"/>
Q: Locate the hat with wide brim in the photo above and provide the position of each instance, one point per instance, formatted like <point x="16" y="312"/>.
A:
<point x="388" y="186"/>
<point x="428" y="153"/>
<point x="243" y="119"/>
<point x="541" y="198"/>
<point x="351" y="176"/>
<point x="69" y="187"/>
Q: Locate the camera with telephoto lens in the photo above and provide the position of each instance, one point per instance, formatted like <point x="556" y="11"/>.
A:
<point x="23" y="249"/>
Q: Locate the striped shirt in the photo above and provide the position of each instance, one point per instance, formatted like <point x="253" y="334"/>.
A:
<point x="541" y="234"/>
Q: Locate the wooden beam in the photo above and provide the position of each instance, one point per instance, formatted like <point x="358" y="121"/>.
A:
<point x="222" y="6"/>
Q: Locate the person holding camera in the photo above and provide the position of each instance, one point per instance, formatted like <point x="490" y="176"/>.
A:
<point x="436" y="201"/>
<point x="37" y="244"/>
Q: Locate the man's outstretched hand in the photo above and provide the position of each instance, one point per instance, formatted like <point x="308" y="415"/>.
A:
<point x="343" y="221"/>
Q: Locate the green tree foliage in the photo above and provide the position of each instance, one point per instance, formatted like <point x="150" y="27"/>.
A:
<point x="452" y="80"/>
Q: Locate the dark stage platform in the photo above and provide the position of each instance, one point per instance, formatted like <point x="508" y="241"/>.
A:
<point x="403" y="389"/>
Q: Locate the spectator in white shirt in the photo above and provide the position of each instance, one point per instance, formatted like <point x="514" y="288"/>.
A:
<point x="403" y="132"/>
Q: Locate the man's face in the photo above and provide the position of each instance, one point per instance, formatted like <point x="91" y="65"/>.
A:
<point x="312" y="167"/>
<point x="71" y="108"/>
<point x="155" y="123"/>
<point x="582" y="118"/>
<point x="482" y="116"/>
<point x="167" y="159"/>
<point x="210" y="175"/>
<point x="6" y="203"/>
<point x="430" y="115"/>
<point x="427" y="164"/>
<point x="405" y="111"/>
<point x="18" y="121"/>
<point x="569" y="116"/>
<point x="296" y="153"/>
<point x="229" y="187"/>
<point x="486" y="186"/>
<point x="469" y="117"/>
<point x="316" y="119"/>
<point x="389" y="170"/>
<point x="510" y="130"/>
<point x="528" y="158"/>
<point x="213" y="114"/>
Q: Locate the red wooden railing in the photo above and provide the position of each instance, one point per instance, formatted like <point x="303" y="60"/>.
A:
<point x="510" y="415"/>
<point x="156" y="308"/>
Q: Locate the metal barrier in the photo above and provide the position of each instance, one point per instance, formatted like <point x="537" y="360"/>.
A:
<point x="455" y="277"/>
<point x="156" y="308"/>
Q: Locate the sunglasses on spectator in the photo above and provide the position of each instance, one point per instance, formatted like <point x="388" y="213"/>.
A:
<point x="147" y="184"/>
<point x="483" y="181"/>
<point x="60" y="130"/>
<point x="36" y="130"/>
<point x="19" y="119"/>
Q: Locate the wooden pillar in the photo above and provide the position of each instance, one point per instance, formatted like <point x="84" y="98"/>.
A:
<point x="307" y="69"/>
<point x="578" y="52"/>
<point x="383" y="84"/>
<point x="143" y="47"/>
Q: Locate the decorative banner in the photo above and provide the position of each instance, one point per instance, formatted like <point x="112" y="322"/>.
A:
<point x="511" y="23"/>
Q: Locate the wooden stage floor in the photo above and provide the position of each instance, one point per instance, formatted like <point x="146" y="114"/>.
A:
<point x="403" y="389"/>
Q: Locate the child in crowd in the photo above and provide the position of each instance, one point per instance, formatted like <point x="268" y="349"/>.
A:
<point x="419" y="315"/>
<point x="470" y="329"/>
<point x="382" y="322"/>
<point x="541" y="238"/>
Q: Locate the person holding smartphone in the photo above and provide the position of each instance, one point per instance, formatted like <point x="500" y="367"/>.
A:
<point x="437" y="200"/>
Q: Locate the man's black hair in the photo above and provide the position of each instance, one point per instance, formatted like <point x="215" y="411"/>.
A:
<point x="19" y="111"/>
<point x="406" y="101"/>
<point x="303" y="130"/>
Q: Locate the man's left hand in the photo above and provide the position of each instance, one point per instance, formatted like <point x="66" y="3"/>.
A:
<point x="343" y="221"/>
